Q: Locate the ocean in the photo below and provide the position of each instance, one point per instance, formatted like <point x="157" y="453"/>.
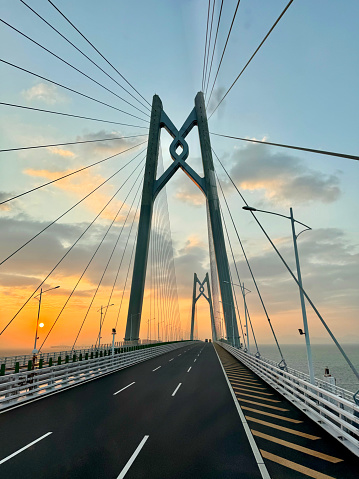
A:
<point x="324" y="355"/>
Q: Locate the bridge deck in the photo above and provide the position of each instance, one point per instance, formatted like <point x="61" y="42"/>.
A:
<point x="292" y="445"/>
<point x="194" y="430"/>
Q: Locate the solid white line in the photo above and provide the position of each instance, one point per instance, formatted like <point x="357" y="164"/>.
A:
<point x="189" y="369"/>
<point x="132" y="458"/>
<point x="156" y="369"/>
<point x="170" y="360"/>
<point x="177" y="388"/>
<point x="257" y="455"/>
<point x="123" y="388"/>
<point x="25" y="447"/>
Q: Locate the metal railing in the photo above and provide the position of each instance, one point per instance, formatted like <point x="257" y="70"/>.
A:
<point x="24" y="386"/>
<point x="337" y="414"/>
<point x="8" y="363"/>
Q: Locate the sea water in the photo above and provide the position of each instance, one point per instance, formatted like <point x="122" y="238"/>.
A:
<point x="324" y="355"/>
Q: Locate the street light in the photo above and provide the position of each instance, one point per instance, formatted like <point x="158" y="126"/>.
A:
<point x="232" y="309"/>
<point x="301" y="295"/>
<point x="150" y="328"/>
<point x="99" y="334"/>
<point x="243" y="289"/>
<point x="41" y="325"/>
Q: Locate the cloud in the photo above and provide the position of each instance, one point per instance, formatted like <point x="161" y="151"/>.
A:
<point x="329" y="266"/>
<point x="282" y="177"/>
<point x="45" y="93"/>
<point x="111" y="147"/>
<point x="4" y="196"/>
<point x="79" y="185"/>
<point x="216" y="98"/>
<point x="61" y="152"/>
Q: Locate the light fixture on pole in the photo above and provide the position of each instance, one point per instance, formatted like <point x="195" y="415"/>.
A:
<point x="99" y="334"/>
<point x="244" y="292"/>
<point x="113" y="341"/>
<point x="301" y="295"/>
<point x="41" y="325"/>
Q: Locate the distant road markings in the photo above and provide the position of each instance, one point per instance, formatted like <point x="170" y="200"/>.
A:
<point x="195" y="360"/>
<point x="25" y="447"/>
<point x="153" y="370"/>
<point x="297" y="447"/>
<point x="177" y="388"/>
<point x="124" y="388"/>
<point x="277" y="416"/>
<point x="132" y="458"/>
<point x="189" y="369"/>
<point x="282" y="428"/>
<point x="179" y="355"/>
<point x="170" y="360"/>
<point x="293" y="465"/>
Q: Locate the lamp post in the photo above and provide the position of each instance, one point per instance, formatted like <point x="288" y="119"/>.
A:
<point x="99" y="334"/>
<point x="301" y="295"/>
<point x="243" y="289"/>
<point x="35" y="351"/>
<point x="113" y="341"/>
<point x="244" y="292"/>
<point x="149" y="328"/>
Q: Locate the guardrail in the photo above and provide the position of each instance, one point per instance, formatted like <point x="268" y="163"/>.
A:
<point x="8" y="363"/>
<point x="337" y="415"/>
<point x="24" y="386"/>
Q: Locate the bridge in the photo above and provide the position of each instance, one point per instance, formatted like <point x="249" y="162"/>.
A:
<point x="129" y="347"/>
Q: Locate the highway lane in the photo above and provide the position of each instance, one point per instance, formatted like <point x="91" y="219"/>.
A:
<point x="172" y="416"/>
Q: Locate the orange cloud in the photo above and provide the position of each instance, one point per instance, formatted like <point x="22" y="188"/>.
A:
<point x="79" y="184"/>
<point x="61" y="152"/>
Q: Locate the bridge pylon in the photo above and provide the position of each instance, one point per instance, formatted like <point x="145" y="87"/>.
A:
<point x="153" y="185"/>
<point x="195" y="298"/>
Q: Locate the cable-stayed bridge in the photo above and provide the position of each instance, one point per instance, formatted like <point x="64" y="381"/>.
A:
<point x="149" y="399"/>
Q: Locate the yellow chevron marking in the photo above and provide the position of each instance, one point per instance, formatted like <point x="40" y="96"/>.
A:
<point x="277" y="416"/>
<point x="291" y="445"/>
<point x="282" y="428"/>
<point x="293" y="465"/>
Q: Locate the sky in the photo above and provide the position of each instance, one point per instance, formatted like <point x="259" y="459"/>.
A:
<point x="300" y="89"/>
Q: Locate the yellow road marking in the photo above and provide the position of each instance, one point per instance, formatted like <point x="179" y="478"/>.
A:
<point x="261" y="404"/>
<point x="282" y="428"/>
<point x="277" y="416"/>
<point x="256" y="397"/>
<point x="243" y="379"/>
<point x="246" y="384"/>
<point x="293" y="465"/>
<point x="251" y="390"/>
<point x="291" y="445"/>
<point x="241" y="373"/>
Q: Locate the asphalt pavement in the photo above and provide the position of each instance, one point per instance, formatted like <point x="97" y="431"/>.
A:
<point x="169" y="417"/>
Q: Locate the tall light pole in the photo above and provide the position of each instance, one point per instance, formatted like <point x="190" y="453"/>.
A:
<point x="99" y="334"/>
<point x="301" y="295"/>
<point x="35" y="351"/>
<point x="244" y="292"/>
